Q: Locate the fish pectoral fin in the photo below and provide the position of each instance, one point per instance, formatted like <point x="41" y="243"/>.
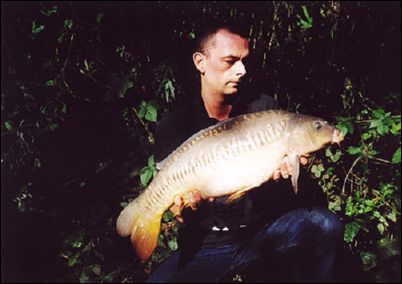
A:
<point x="237" y="194"/>
<point x="294" y="162"/>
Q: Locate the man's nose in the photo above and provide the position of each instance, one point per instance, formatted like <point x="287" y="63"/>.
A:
<point x="240" y="68"/>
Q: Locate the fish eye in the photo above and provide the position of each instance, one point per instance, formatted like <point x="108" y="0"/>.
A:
<point x="317" y="125"/>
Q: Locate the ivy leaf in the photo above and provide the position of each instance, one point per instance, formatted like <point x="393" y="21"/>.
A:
<point x="354" y="150"/>
<point x="345" y="125"/>
<point x="317" y="170"/>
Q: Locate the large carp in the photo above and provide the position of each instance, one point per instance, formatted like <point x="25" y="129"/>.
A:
<point x="228" y="158"/>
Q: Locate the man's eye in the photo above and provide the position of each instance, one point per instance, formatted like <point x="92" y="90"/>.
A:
<point x="230" y="62"/>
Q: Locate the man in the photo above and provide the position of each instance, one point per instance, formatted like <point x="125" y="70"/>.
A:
<point x="259" y="236"/>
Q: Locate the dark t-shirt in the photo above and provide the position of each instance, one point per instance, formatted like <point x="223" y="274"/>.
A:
<point x="216" y="223"/>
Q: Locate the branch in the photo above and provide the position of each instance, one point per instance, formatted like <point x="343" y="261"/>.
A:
<point x="347" y="175"/>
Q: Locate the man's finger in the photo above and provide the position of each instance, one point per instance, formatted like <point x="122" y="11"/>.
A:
<point x="194" y="197"/>
<point x="178" y="200"/>
<point x="175" y="209"/>
<point x="303" y="160"/>
<point x="277" y="175"/>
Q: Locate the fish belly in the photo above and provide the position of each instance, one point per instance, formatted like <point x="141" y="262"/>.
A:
<point x="241" y="172"/>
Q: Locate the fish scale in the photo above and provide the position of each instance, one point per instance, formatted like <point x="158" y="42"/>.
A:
<point x="228" y="158"/>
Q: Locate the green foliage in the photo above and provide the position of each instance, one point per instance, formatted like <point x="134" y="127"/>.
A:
<point x="37" y="28"/>
<point x="148" y="110"/>
<point x="307" y="22"/>
<point x="367" y="189"/>
<point x="148" y="172"/>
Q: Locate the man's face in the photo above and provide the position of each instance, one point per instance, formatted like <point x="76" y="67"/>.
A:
<point x="224" y="63"/>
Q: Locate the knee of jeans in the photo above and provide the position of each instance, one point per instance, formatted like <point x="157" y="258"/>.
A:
<point x="329" y="223"/>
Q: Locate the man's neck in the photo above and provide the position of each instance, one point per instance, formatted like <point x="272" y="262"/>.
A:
<point x="214" y="106"/>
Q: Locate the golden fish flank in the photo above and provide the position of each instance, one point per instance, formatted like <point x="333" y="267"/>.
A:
<point x="228" y="158"/>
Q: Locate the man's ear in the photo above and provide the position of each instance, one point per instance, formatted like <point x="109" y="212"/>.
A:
<point x="199" y="61"/>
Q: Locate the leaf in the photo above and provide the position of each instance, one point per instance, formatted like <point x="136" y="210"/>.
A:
<point x="351" y="230"/>
<point x="96" y="269"/>
<point x="335" y="205"/>
<point x="50" y="83"/>
<point x="8" y="125"/>
<point x="167" y="216"/>
<point x="389" y="247"/>
<point x="368" y="259"/>
<point x="151" y="161"/>
<point x="52" y="11"/>
<point x="68" y="24"/>
<point x="317" y="170"/>
<point x="306" y="23"/>
<point x="151" y="114"/>
<point x="396" y="129"/>
<point x="73" y="259"/>
<point x="345" y="125"/>
<point x="83" y="277"/>
<point x="173" y="244"/>
<point x="334" y="157"/>
<point x="396" y="157"/>
<point x="142" y="111"/>
<point x="37" y="29"/>
<point x="354" y="150"/>
<point x="64" y="108"/>
<point x="392" y="216"/>
<point x="191" y="35"/>
<point x="380" y="228"/>
<point x="146" y="175"/>
<point x="378" y="113"/>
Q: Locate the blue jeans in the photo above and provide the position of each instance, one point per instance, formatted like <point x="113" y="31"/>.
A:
<point x="299" y="246"/>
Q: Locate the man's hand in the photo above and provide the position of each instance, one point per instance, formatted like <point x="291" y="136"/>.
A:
<point x="191" y="199"/>
<point x="285" y="168"/>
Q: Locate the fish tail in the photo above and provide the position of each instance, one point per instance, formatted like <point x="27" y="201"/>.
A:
<point x="143" y="228"/>
<point x="145" y="236"/>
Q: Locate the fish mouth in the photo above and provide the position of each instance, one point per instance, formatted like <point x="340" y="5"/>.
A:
<point x="337" y="137"/>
